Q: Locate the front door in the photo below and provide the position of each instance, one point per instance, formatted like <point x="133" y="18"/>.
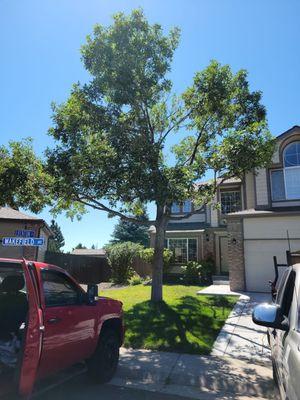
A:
<point x="224" y="255"/>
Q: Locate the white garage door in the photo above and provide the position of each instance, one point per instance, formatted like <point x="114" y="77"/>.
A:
<point x="264" y="238"/>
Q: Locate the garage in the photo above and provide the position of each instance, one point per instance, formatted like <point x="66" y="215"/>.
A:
<point x="265" y="237"/>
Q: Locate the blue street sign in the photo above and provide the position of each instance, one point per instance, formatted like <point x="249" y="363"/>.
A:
<point x="16" y="241"/>
<point x="24" y="233"/>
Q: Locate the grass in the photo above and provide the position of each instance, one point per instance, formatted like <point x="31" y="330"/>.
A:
<point x="183" y="322"/>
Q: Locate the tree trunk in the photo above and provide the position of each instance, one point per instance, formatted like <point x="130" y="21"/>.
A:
<point x="158" y="261"/>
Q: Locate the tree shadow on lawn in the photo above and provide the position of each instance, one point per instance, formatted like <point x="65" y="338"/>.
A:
<point x="190" y="325"/>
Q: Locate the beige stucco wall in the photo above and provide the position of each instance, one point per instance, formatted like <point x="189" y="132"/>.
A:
<point x="272" y="227"/>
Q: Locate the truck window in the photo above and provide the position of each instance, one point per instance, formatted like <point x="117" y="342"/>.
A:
<point x="281" y="286"/>
<point x="59" y="290"/>
<point x="287" y="296"/>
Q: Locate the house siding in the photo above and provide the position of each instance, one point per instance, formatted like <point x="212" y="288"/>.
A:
<point x="261" y="188"/>
<point x="249" y="190"/>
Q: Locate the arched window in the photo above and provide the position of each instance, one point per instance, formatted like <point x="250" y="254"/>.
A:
<point x="291" y="163"/>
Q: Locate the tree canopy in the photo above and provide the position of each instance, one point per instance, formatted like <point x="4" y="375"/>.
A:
<point x="112" y="132"/>
<point x="23" y="180"/>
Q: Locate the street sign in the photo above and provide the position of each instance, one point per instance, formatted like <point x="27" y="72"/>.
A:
<point x="24" y="233"/>
<point x="17" y="241"/>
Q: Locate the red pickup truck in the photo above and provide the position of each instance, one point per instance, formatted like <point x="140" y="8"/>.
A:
<point x="48" y="323"/>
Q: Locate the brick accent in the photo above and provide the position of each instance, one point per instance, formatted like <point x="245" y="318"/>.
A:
<point x="236" y="253"/>
<point x="209" y="245"/>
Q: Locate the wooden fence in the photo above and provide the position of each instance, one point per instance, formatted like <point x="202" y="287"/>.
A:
<point x="85" y="269"/>
<point x="89" y="269"/>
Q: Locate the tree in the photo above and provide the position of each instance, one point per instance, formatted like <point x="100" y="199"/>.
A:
<point x="79" y="246"/>
<point x="57" y="241"/>
<point x="112" y="132"/>
<point x="23" y="180"/>
<point x="127" y="231"/>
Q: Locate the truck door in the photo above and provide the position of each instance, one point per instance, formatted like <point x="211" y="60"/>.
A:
<point x="281" y="337"/>
<point x="33" y="333"/>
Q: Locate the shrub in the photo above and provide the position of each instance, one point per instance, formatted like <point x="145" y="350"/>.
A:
<point x="195" y="272"/>
<point x="120" y="258"/>
<point x="147" y="255"/>
<point x="191" y="272"/>
<point x="207" y="269"/>
<point x="135" y="280"/>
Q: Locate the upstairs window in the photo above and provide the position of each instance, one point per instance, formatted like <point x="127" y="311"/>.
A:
<point x="230" y="201"/>
<point x="175" y="209"/>
<point x="291" y="162"/>
<point x="185" y="207"/>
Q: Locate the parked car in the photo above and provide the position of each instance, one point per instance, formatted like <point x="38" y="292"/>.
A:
<point x="282" y="317"/>
<point x="48" y="323"/>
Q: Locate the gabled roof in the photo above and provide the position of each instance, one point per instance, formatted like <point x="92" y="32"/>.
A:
<point x="10" y="213"/>
<point x="182" y="226"/>
<point x="89" y="252"/>
<point x="288" y="132"/>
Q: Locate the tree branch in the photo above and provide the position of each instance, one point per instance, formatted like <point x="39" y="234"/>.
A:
<point x="100" y="206"/>
<point x="192" y="158"/>
<point x="174" y="125"/>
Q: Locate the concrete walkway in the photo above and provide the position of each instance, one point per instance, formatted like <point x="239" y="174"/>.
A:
<point x="238" y="368"/>
<point x="240" y="337"/>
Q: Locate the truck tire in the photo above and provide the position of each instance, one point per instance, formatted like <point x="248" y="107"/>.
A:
<point x="103" y="363"/>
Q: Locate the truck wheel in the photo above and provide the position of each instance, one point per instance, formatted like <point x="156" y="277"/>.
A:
<point x="103" y="363"/>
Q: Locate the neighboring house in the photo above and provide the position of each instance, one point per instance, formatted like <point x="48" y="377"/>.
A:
<point x="89" y="252"/>
<point x="11" y="221"/>
<point x="252" y="224"/>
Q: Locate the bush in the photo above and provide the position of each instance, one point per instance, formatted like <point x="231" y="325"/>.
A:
<point x="120" y="258"/>
<point x="194" y="272"/>
<point x="191" y="272"/>
<point x="147" y="255"/>
<point x="207" y="269"/>
<point x="135" y="280"/>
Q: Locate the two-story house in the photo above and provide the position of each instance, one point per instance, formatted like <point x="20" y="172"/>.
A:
<point x="253" y="223"/>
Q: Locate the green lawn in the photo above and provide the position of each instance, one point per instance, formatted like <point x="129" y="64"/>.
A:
<point x="183" y="322"/>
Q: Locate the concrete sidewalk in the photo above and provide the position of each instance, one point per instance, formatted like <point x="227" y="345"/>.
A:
<point x="198" y="377"/>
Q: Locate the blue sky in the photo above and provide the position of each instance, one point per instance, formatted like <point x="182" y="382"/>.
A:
<point x="40" y="59"/>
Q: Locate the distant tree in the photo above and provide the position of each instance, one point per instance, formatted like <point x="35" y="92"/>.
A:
<point x="127" y="231"/>
<point x="93" y="247"/>
<point x="23" y="180"/>
<point x="57" y="241"/>
<point x="80" y="246"/>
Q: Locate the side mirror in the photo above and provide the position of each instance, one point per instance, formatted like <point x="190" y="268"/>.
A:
<point x="92" y="293"/>
<point x="270" y="315"/>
